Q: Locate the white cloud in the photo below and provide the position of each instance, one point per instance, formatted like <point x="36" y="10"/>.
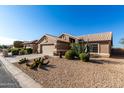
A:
<point x="6" y="40"/>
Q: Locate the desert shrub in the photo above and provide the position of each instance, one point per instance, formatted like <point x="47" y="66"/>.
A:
<point x="70" y="54"/>
<point x="29" y="50"/>
<point x="15" y="51"/>
<point x="22" y="52"/>
<point x="84" y="57"/>
<point x="78" y="48"/>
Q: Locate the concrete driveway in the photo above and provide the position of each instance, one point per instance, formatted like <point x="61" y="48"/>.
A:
<point x="6" y="79"/>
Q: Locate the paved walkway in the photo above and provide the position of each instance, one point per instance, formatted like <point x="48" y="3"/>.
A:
<point x="6" y="79"/>
<point x="24" y="80"/>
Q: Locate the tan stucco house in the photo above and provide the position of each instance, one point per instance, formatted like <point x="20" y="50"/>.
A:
<point x="100" y="43"/>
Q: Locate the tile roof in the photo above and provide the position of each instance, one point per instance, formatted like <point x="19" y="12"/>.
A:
<point x="56" y="38"/>
<point x="68" y="35"/>
<point x="97" y="37"/>
<point x="106" y="36"/>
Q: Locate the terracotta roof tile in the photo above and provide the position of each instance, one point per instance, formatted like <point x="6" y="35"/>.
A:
<point x="97" y="37"/>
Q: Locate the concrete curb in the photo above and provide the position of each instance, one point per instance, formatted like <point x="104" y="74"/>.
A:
<point x="23" y="79"/>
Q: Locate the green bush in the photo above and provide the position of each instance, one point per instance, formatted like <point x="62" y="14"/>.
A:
<point x="22" y="52"/>
<point x="84" y="57"/>
<point x="15" y="51"/>
<point x="70" y="54"/>
<point x="29" y="50"/>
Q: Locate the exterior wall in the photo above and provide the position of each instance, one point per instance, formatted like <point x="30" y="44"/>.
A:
<point x="39" y="50"/>
<point x="45" y="41"/>
<point x="48" y="49"/>
<point x="62" y="47"/>
<point x="104" y="49"/>
<point x="33" y="46"/>
<point x="117" y="52"/>
<point x="65" y="37"/>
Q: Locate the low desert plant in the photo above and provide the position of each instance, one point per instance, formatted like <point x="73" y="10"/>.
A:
<point x="70" y="54"/>
<point x="22" y="52"/>
<point x="84" y="57"/>
<point x="15" y="51"/>
<point x="23" y="60"/>
<point x="29" y="50"/>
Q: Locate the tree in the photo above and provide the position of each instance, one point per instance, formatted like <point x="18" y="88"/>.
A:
<point x="122" y="41"/>
<point x="3" y="46"/>
<point x="18" y="44"/>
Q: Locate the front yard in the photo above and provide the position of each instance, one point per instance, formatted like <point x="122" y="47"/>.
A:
<point x="75" y="73"/>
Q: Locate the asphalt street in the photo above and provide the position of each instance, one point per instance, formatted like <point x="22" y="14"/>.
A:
<point x="6" y="79"/>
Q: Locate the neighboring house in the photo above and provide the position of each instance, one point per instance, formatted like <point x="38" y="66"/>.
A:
<point x="100" y="44"/>
<point x="31" y="44"/>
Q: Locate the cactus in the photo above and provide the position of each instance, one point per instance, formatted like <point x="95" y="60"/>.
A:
<point x="23" y="60"/>
<point x="38" y="63"/>
<point x="87" y="49"/>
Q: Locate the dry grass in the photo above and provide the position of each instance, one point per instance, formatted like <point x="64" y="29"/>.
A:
<point x="74" y="73"/>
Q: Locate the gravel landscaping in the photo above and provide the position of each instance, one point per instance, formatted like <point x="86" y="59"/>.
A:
<point x="63" y="73"/>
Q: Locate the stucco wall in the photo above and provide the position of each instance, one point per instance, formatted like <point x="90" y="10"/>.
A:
<point x="104" y="48"/>
<point x="62" y="47"/>
<point x="48" y="49"/>
<point x="65" y="37"/>
<point x="45" y="40"/>
<point x="39" y="48"/>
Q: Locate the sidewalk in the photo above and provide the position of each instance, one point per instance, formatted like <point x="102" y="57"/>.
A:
<point x="24" y="80"/>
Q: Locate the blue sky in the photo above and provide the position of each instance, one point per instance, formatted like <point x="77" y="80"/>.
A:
<point x="32" y="22"/>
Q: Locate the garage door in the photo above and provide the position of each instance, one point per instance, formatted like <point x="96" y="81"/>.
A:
<point x="48" y="49"/>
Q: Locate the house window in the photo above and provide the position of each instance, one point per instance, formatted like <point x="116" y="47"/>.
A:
<point x="94" y="48"/>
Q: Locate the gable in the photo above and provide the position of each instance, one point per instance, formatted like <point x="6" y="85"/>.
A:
<point x="47" y="40"/>
<point x="64" y="37"/>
